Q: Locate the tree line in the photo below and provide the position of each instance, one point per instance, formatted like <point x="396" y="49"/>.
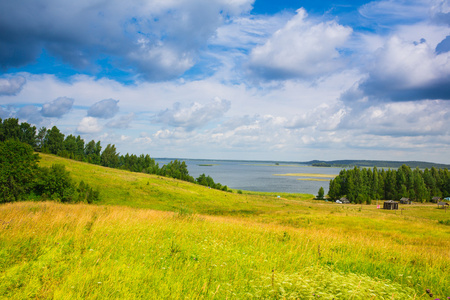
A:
<point x="52" y="141"/>
<point x="365" y="185"/>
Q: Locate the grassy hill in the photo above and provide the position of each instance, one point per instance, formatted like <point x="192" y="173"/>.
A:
<point x="156" y="238"/>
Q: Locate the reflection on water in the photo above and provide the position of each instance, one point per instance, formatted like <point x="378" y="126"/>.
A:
<point x="259" y="176"/>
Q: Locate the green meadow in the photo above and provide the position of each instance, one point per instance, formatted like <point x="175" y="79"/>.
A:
<point x="152" y="237"/>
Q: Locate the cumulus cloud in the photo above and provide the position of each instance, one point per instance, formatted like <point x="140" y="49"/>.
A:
<point x="159" y="39"/>
<point x="401" y="119"/>
<point x="405" y="71"/>
<point x="143" y="139"/>
<point x="194" y="116"/>
<point x="57" y="108"/>
<point x="30" y="114"/>
<point x="122" y="122"/>
<point x="89" y="125"/>
<point x="324" y="117"/>
<point x="104" y="109"/>
<point x="300" y="49"/>
<point x="11" y="86"/>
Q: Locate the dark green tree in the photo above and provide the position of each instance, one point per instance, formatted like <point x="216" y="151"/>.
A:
<point x="10" y="129"/>
<point x="18" y="166"/>
<point x="28" y="134"/>
<point x="92" y="152"/>
<point x="109" y="157"/>
<point x="70" y="147"/>
<point x="320" y="194"/>
<point x="80" y="148"/>
<point x="54" y="140"/>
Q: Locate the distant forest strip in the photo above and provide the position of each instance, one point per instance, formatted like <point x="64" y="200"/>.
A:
<point x="375" y="163"/>
<point x="52" y="141"/>
<point x="364" y="185"/>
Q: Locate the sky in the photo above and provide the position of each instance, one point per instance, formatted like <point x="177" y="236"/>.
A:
<point x="280" y="80"/>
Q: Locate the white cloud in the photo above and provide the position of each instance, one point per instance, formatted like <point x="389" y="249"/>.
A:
<point x="104" y="109"/>
<point x="300" y="49"/>
<point x="143" y="140"/>
<point x="122" y="122"/>
<point x="89" y="125"/>
<point x="11" y="86"/>
<point x="57" y="108"/>
<point x="403" y="71"/>
<point x="194" y="116"/>
<point x="402" y="119"/>
<point x="30" y="114"/>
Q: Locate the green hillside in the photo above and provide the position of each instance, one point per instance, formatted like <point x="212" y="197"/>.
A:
<point x="152" y="237"/>
<point x="118" y="187"/>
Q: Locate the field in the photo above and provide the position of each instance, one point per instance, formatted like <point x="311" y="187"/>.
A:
<point x="151" y="237"/>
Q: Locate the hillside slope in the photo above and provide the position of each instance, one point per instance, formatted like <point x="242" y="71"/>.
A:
<point x="119" y="187"/>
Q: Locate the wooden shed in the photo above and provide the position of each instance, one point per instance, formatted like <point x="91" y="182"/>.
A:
<point x="390" y="204"/>
<point x="405" y="200"/>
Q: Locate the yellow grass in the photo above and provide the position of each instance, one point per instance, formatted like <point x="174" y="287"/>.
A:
<point x="157" y="238"/>
<point x="58" y="251"/>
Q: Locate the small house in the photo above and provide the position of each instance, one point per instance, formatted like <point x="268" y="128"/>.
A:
<point x="435" y="199"/>
<point x="405" y="200"/>
<point x="390" y="204"/>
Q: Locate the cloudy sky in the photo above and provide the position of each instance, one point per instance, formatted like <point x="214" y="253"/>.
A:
<point x="234" y="79"/>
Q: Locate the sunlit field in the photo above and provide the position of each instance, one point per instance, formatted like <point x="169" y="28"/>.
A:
<point x="156" y="238"/>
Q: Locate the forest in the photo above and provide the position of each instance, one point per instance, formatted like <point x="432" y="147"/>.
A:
<point x="364" y="185"/>
<point x="14" y="135"/>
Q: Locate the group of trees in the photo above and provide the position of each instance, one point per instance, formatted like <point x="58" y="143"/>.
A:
<point x="208" y="181"/>
<point x="21" y="178"/>
<point x="54" y="142"/>
<point x="365" y="185"/>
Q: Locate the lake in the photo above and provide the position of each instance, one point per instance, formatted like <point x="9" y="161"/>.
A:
<point x="260" y="176"/>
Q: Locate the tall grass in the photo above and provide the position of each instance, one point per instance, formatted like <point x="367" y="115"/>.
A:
<point x="199" y="243"/>
<point x="51" y="250"/>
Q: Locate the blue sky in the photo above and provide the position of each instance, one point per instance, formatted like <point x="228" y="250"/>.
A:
<point x="237" y="79"/>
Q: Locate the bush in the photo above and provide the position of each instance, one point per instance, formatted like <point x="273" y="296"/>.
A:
<point x="18" y="165"/>
<point x="55" y="183"/>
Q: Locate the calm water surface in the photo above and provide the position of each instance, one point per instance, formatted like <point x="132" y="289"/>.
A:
<point x="259" y="176"/>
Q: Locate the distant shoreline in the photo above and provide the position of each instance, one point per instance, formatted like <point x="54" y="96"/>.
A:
<point x="323" y="163"/>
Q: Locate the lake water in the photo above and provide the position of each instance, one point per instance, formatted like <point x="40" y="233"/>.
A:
<point x="259" y="176"/>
